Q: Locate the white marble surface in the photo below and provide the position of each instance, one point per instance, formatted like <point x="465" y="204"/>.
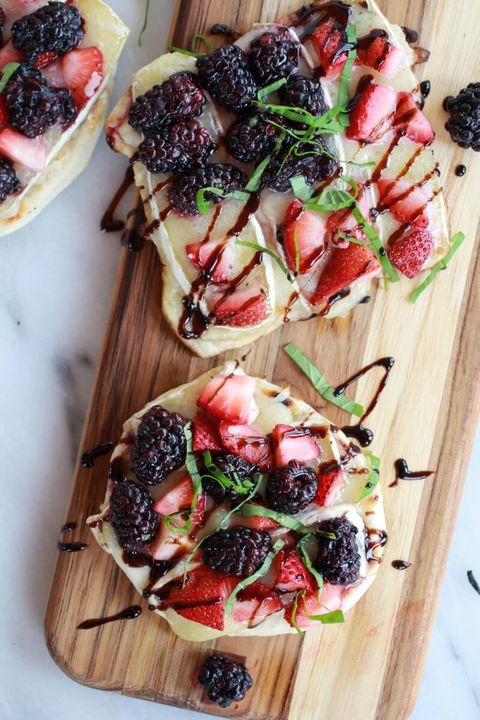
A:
<point x="56" y="284"/>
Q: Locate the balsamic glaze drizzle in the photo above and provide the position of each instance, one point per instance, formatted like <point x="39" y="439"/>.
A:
<point x="108" y="223"/>
<point x="87" y="459"/>
<point x="72" y="546"/>
<point x="400" y="564"/>
<point x="403" y="473"/>
<point x="129" y="613"/>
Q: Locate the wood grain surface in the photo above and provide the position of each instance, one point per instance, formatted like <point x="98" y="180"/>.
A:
<point x="369" y="668"/>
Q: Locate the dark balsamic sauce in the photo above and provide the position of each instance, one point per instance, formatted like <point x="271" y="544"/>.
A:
<point x="68" y="527"/>
<point x="373" y="540"/>
<point x="129" y="613"/>
<point x="425" y="88"/>
<point x="334" y="299"/>
<point x="87" y="459"/>
<point x="108" y="223"/>
<point x="117" y="469"/>
<point x="400" y="564"/>
<point x="226" y="30"/>
<point x="339" y="12"/>
<point x="71" y="547"/>
<point x="362" y="434"/>
<point x="403" y="473"/>
<point x="411" y="36"/>
<point x="365" y="300"/>
<point x="460" y="170"/>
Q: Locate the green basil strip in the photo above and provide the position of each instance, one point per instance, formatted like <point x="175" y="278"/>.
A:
<point x="173" y="48"/>
<point x="7" y="73"/>
<point x="252" y="510"/>
<point x="262" y="570"/>
<point x="293" y="617"/>
<point x="301" y="189"/>
<point x="373" y="478"/>
<point x="242" y="487"/>
<point x="346" y="75"/>
<point x="330" y="201"/>
<point x="330" y="618"/>
<point x="456" y="241"/>
<point x="376" y="245"/>
<point x="321" y="385"/>
<point x="273" y="255"/>
<point x="201" y="38"/>
<point x="273" y="87"/>
<point x="307" y="560"/>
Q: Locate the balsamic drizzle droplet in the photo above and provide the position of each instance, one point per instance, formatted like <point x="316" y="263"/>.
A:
<point x="460" y="170"/>
<point x="425" y="88"/>
<point x="362" y="434"/>
<point x="71" y="546"/>
<point x="227" y="30"/>
<point x="108" y="223"/>
<point x="68" y="527"/>
<point x="87" y="459"/>
<point x="473" y="582"/>
<point x="411" y="36"/>
<point x="129" y="613"/>
<point x="403" y="473"/>
<point x="400" y="564"/>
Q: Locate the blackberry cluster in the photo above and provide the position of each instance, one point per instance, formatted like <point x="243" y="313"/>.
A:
<point x="251" y="139"/>
<point x="56" y="27"/>
<point x="274" y="56"/>
<point x="33" y="105"/>
<point x="177" y="98"/>
<point x="238" y="552"/>
<point x="159" y="447"/>
<point x="225" y="681"/>
<point x="338" y="560"/>
<point x="179" y="147"/>
<point x="9" y="182"/>
<point x="303" y="92"/>
<point x="464" y="122"/>
<point x="226" y="75"/>
<point x="133" y="518"/>
<point x="230" y="465"/>
<point x="184" y="190"/>
<point x="285" y="166"/>
<point x="292" y="488"/>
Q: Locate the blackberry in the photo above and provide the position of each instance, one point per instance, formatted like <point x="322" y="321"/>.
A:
<point x="33" y="105"/>
<point x="338" y="560"/>
<point x="226" y="681"/>
<point x="285" y="166"/>
<point x="251" y="139"/>
<point x="274" y="56"/>
<point x="9" y="182"/>
<point x="179" y="147"/>
<point x="221" y="175"/>
<point x="177" y="98"/>
<point x="56" y="27"/>
<point x="230" y="465"/>
<point x="464" y="122"/>
<point x="227" y="77"/>
<point x="238" y="552"/>
<point x="159" y="447"/>
<point x="303" y="92"/>
<point x="292" y="488"/>
<point x="133" y="518"/>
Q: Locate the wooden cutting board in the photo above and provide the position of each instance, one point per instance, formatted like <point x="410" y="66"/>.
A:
<point x="371" y="666"/>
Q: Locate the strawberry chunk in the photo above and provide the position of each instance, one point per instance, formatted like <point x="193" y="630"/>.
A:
<point x="256" y="522"/>
<point x="243" y="308"/>
<point x="213" y="257"/>
<point x="330" y="484"/>
<point x="405" y="201"/>
<point x="411" y="252"/>
<point x="330" y="600"/>
<point x="205" y="434"/>
<point x="293" y="443"/>
<point x="304" y="232"/>
<point x="178" y="498"/>
<point x="83" y="71"/>
<point x="372" y="115"/>
<point x="411" y="121"/>
<point x="344" y="267"/>
<point x="328" y="39"/>
<point x="8" y="54"/>
<point x="229" y="398"/>
<point x="381" y="55"/>
<point x="44" y="59"/>
<point x="267" y="607"/>
<point x="31" y="152"/>
<point x="292" y="574"/>
<point x="248" y="443"/>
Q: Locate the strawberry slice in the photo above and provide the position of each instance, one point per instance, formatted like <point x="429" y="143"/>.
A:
<point x="372" y="115"/>
<point x="344" y="267"/>
<point x="168" y="544"/>
<point x="205" y="434"/>
<point x="256" y="522"/>
<point x="243" y="308"/>
<point x="303" y="230"/>
<point x="330" y="600"/>
<point x="248" y="443"/>
<point x="31" y="152"/>
<point x="411" y="121"/>
<point x="229" y="397"/>
<point x="180" y="498"/>
<point x="328" y="39"/>
<point x="410" y="253"/>
<point x="404" y="200"/>
<point x="83" y="72"/>
<point x="381" y="55"/>
<point x="293" y="443"/>
<point x="244" y="610"/>
<point x="8" y="54"/>
<point x="44" y="59"/>
<point x="330" y="484"/>
<point x="213" y="257"/>
<point x="292" y="574"/>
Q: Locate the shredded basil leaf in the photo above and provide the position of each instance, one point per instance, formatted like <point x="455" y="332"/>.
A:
<point x="293" y="617"/>
<point x="456" y="241"/>
<point x="346" y="75"/>
<point x="204" y="205"/>
<point x="173" y="48"/>
<point x="242" y="487"/>
<point x="273" y="255"/>
<point x="201" y="38"/>
<point x="7" y="73"/>
<point x="301" y="189"/>
<point x="307" y="560"/>
<point x="375" y="244"/>
<point x="373" y="478"/>
<point x="321" y="385"/>
<point x="329" y="618"/>
<point x="330" y="201"/>
<point x="252" y="510"/>
<point x="262" y="570"/>
<point x="144" y="26"/>
<point x="273" y="87"/>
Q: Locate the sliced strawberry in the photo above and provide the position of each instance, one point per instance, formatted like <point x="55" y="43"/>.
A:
<point x="267" y="607"/>
<point x="31" y="152"/>
<point x="293" y="443"/>
<point x="205" y="434"/>
<point x="243" y="308"/>
<point x="229" y="397"/>
<point x="44" y="59"/>
<point x="381" y="55"/>
<point x="411" y="121"/>
<point x="291" y="572"/>
<point x="304" y="232"/>
<point x="328" y="40"/>
<point x="411" y="252"/>
<point x="330" y="600"/>
<point x="168" y="544"/>
<point x="372" y="115"/>
<point x="256" y="522"/>
<point x="213" y="257"/>
<point x="344" y="267"/>
<point x="345" y="221"/>
<point x="8" y="54"/>
<point x="211" y="615"/>
<point x="83" y="71"/>
<point x="248" y="443"/>
<point x="256" y="590"/>
<point x="330" y="484"/>
<point x="178" y="498"/>
<point x="404" y="200"/>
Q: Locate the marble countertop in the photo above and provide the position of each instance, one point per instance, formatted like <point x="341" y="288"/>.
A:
<point x="56" y="284"/>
